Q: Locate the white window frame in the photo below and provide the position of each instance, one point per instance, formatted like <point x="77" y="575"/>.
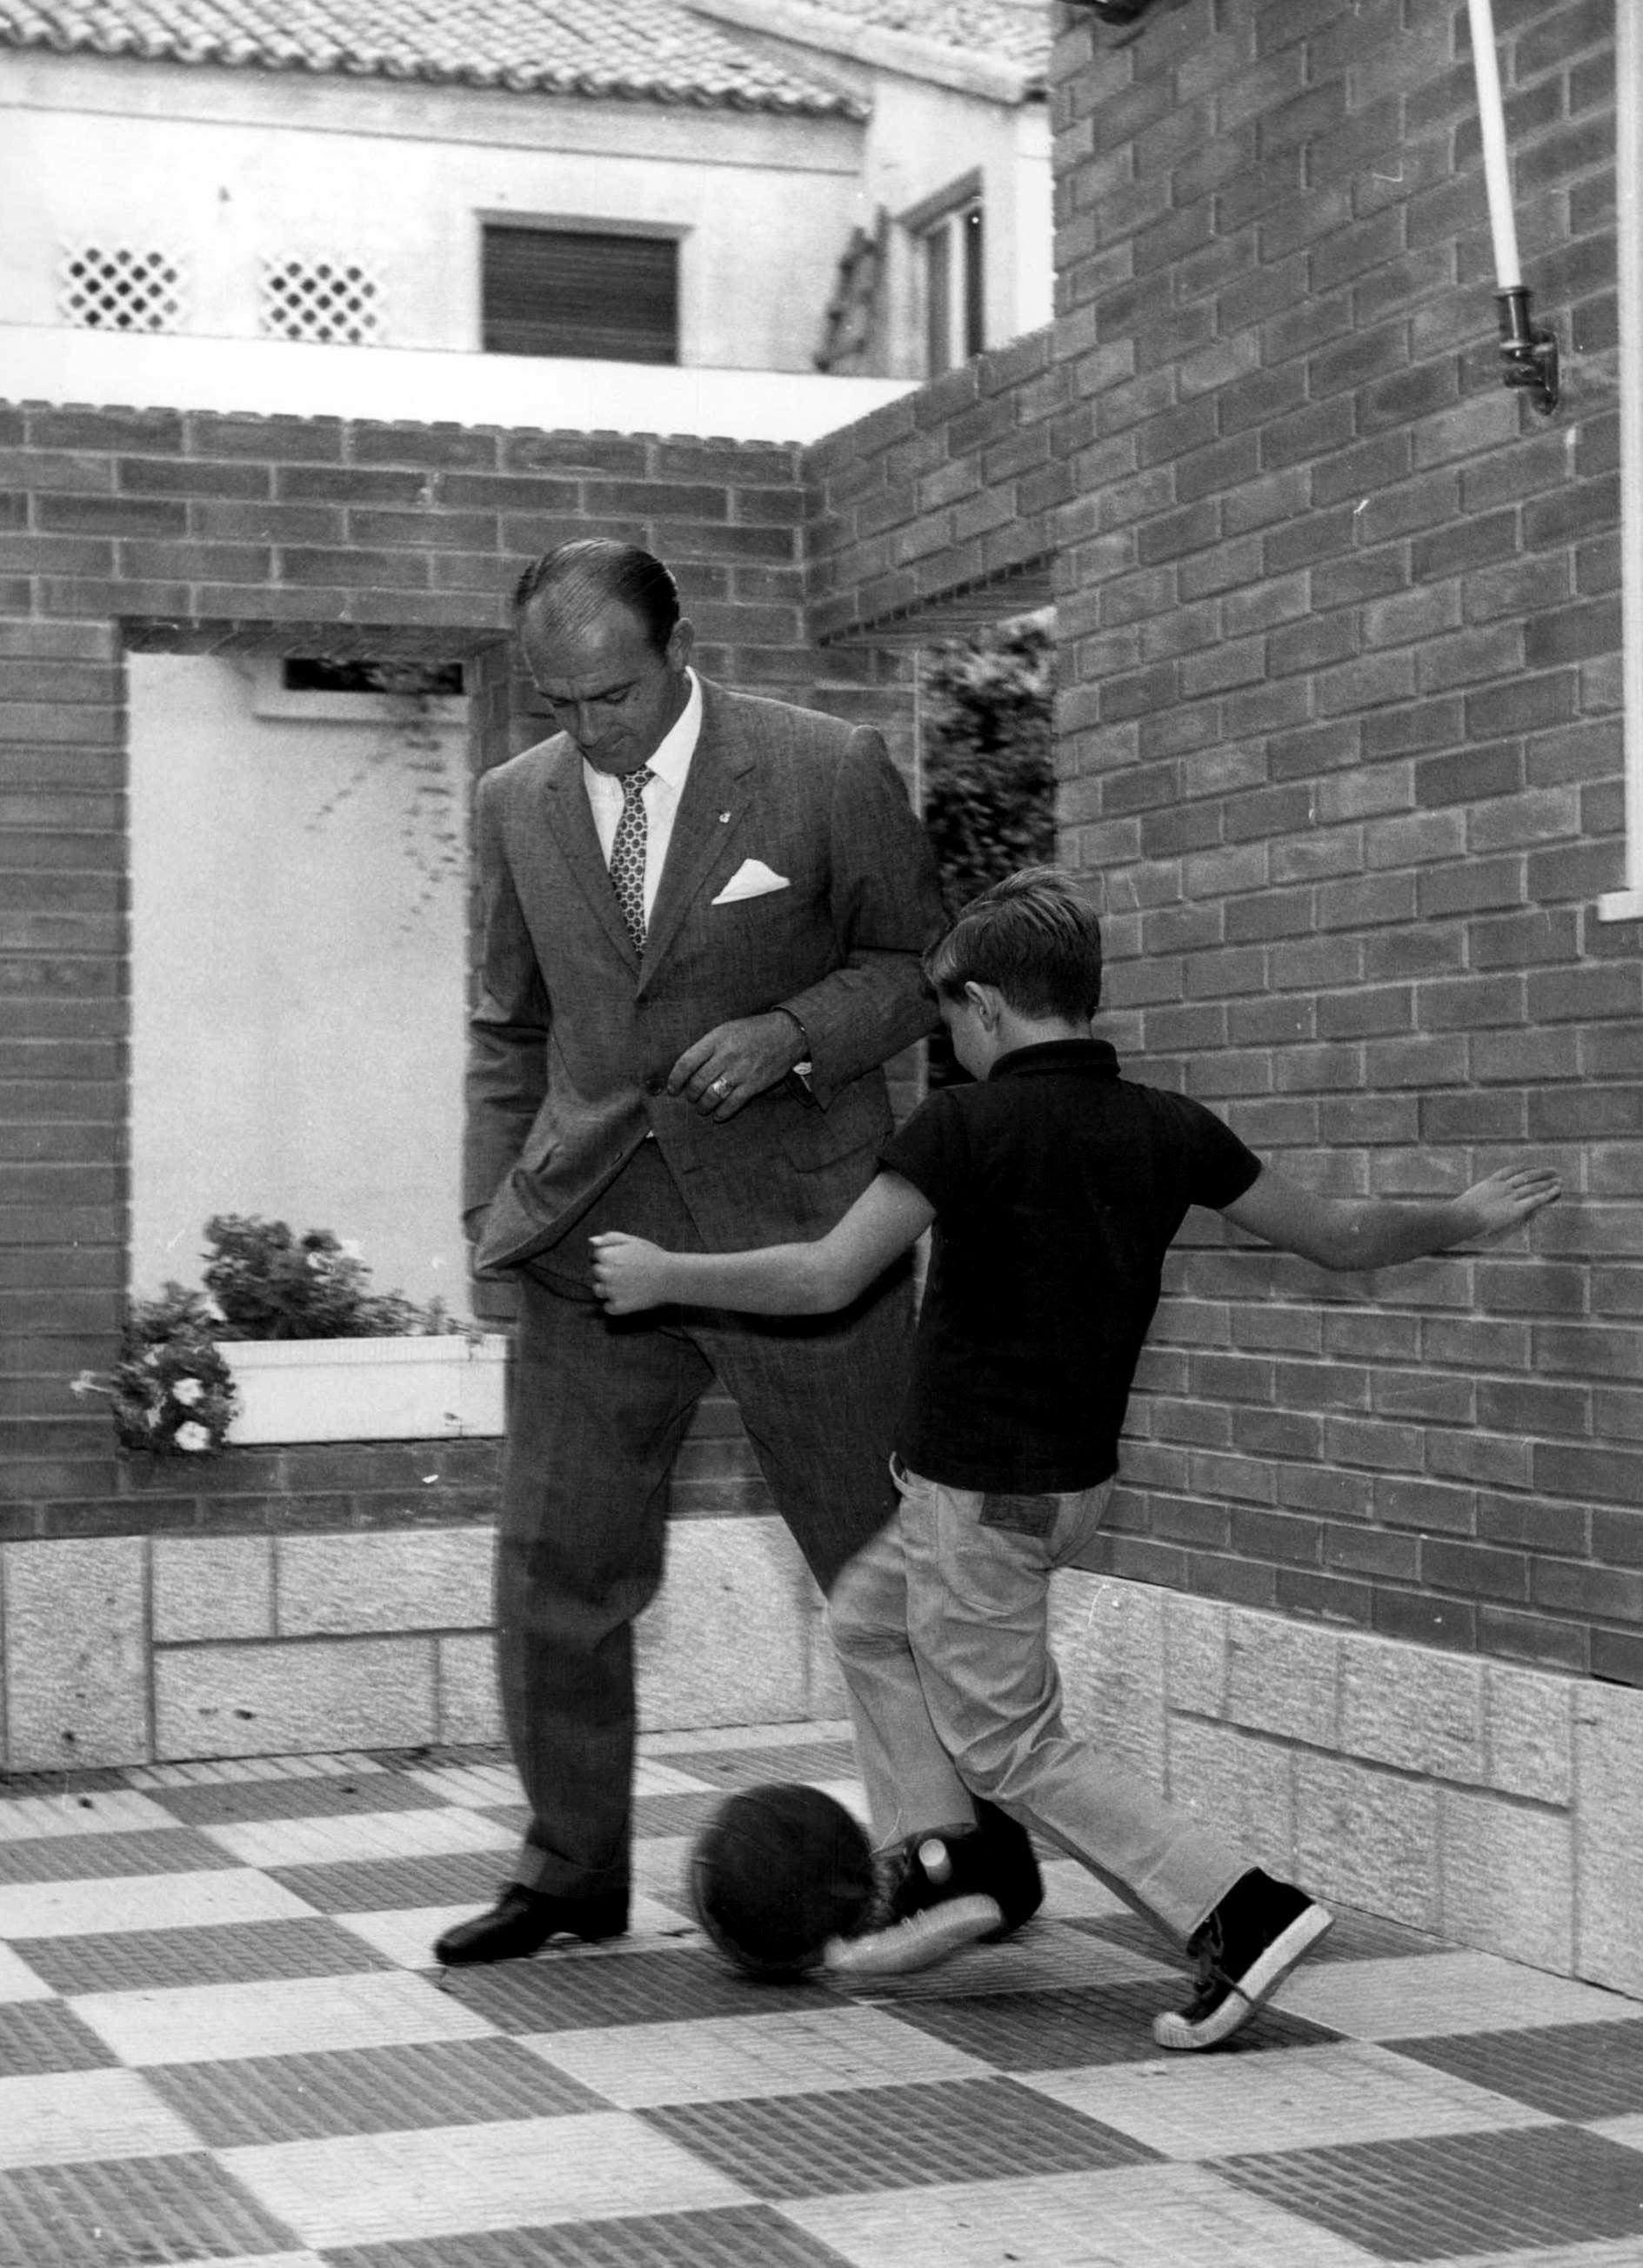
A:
<point x="1626" y="903"/>
<point x="945" y="217"/>
<point x="953" y="231"/>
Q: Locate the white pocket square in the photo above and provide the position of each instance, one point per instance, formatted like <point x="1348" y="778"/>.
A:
<point x="752" y="879"/>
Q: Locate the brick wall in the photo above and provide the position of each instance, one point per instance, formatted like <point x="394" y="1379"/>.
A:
<point x="1340" y="749"/>
<point x="951" y="493"/>
<point x="197" y="532"/>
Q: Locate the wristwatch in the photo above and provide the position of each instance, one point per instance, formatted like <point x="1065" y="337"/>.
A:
<point x="805" y="1066"/>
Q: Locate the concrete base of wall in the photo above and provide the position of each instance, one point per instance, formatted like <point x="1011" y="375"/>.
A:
<point x="1500" y="1806"/>
<point x="140" y="1649"/>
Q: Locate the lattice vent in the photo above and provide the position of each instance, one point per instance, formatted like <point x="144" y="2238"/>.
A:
<point x="332" y="303"/>
<point x="121" y="287"/>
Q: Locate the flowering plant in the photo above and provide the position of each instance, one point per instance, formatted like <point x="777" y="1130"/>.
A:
<point x="171" y="1390"/>
<point x="270" y="1283"/>
<point x="172" y="1393"/>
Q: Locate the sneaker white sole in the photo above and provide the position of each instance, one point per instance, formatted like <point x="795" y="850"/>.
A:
<point x="917" y="1943"/>
<point x="1255" y="1987"/>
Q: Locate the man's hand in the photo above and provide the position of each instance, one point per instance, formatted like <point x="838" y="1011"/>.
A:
<point x="734" y="1061"/>
<point x="1504" y="1201"/>
<point x="628" y="1273"/>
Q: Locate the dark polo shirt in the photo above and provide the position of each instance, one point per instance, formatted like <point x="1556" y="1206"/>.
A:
<point x="1057" y="1186"/>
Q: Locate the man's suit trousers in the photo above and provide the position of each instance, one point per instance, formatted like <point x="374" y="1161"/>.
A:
<point x="598" y="1407"/>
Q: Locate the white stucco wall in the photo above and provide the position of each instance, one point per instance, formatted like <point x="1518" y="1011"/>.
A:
<point x="267" y="378"/>
<point x="1032" y="281"/>
<point x="922" y="138"/>
<point x="298" y="912"/>
<point x="930" y="126"/>
<point x="227" y="166"/>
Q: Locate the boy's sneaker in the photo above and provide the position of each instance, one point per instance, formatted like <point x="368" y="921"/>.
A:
<point x="946" y="1891"/>
<point x="1245" y="1951"/>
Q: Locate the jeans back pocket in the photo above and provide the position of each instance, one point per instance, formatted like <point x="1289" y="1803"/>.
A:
<point x="1020" y="1515"/>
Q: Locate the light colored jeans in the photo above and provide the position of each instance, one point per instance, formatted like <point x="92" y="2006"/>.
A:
<point x="955" y="1594"/>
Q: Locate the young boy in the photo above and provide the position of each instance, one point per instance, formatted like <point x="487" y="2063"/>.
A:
<point x="1054" y="1187"/>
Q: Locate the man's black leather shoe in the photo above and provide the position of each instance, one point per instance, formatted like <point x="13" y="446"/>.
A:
<point x="521" y="1921"/>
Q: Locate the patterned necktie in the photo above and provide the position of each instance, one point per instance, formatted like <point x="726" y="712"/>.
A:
<point x="628" y="855"/>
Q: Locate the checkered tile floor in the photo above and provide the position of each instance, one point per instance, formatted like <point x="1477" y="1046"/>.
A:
<point x="222" y="2038"/>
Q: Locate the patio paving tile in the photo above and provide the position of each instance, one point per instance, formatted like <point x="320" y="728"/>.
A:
<point x="223" y="2037"/>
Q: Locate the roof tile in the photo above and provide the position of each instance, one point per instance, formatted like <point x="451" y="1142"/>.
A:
<point x="655" y="50"/>
<point x="1009" y="31"/>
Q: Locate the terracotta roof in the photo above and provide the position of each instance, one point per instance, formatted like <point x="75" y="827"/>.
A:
<point x="655" y="50"/>
<point x="1009" y="31"/>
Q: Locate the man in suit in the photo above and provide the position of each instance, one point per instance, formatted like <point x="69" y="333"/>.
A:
<point x="704" y="916"/>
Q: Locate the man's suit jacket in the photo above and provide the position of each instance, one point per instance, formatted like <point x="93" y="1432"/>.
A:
<point x="574" y="1034"/>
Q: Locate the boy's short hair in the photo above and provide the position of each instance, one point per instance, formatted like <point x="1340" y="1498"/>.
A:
<point x="1032" y="938"/>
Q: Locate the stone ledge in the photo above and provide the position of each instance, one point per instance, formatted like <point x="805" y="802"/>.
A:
<point x="1392" y="1701"/>
<point x="121" y="1650"/>
<point x="1499" y="1806"/>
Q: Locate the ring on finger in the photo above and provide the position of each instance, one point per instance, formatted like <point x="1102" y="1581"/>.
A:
<point x="719" y="1085"/>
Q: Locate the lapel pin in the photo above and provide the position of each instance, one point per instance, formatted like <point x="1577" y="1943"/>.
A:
<point x="724" y="819"/>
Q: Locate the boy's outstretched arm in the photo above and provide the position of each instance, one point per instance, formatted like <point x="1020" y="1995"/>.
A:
<point x="779" y="1279"/>
<point x="1379" y="1232"/>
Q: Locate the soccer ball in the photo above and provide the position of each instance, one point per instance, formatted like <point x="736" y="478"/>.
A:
<point x="776" y="1872"/>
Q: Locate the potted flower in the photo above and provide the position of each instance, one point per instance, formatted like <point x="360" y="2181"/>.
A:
<point x="316" y="1355"/>
<point x="172" y="1392"/>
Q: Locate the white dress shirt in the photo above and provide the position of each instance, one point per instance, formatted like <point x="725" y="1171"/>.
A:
<point x="670" y="764"/>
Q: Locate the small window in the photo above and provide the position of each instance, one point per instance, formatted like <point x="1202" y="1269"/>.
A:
<point x="954" y="287"/>
<point x="315" y="674"/>
<point x="580" y="292"/>
<point x="321" y="302"/>
<point x="328" y="689"/>
<point x="121" y="287"/>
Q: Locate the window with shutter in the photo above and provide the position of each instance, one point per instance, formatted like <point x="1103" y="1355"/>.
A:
<point x="947" y="234"/>
<point x="954" y="289"/>
<point x="580" y="292"/>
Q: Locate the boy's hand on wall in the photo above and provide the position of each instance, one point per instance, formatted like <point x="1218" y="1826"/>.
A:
<point x="629" y="1273"/>
<point x="1504" y="1201"/>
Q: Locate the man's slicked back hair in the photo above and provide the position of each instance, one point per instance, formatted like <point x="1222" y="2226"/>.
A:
<point x="578" y="579"/>
<point x="1032" y="938"/>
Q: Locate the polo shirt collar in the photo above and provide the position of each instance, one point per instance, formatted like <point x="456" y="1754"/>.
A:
<point x="1095" y="1058"/>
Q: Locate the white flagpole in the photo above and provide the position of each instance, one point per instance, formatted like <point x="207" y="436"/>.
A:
<point x="1528" y="351"/>
<point x="1496" y="171"/>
